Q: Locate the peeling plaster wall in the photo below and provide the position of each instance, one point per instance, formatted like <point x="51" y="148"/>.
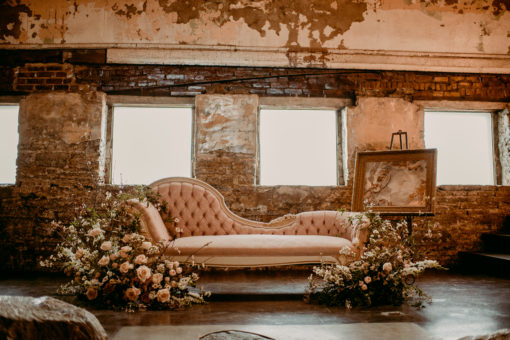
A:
<point x="403" y="25"/>
<point x="371" y="123"/>
<point x="504" y="145"/>
<point x="226" y="139"/>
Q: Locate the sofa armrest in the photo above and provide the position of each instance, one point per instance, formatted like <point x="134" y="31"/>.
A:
<point x="152" y="223"/>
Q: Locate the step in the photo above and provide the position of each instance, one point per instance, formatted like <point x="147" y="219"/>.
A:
<point x="496" y="264"/>
<point x="496" y="243"/>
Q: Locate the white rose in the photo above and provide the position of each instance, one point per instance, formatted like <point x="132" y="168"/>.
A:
<point x="126" y="249"/>
<point x="146" y="245"/>
<point x="94" y="232"/>
<point x="125" y="267"/>
<point x="387" y="267"/>
<point x="144" y="273"/>
<point x="163" y="295"/>
<point x="140" y="259"/>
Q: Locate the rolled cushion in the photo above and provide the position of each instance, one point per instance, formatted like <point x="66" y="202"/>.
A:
<point x="258" y="245"/>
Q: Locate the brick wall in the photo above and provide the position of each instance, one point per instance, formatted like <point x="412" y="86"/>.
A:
<point x="59" y="153"/>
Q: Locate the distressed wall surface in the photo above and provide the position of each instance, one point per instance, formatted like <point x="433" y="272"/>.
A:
<point x="61" y="132"/>
<point x="302" y="32"/>
<point x="226" y="139"/>
<point x="420" y="25"/>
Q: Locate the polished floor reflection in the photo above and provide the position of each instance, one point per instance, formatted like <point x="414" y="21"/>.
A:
<point x="462" y="304"/>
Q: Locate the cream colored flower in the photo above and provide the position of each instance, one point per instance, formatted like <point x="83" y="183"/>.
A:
<point x="146" y="245"/>
<point x="177" y="220"/>
<point x="178" y="270"/>
<point x="94" y="232"/>
<point x="368" y="279"/>
<point x="163" y="295"/>
<point x="132" y="293"/>
<point x="157" y="278"/>
<point x="140" y="259"/>
<point x="91" y="293"/>
<point x="126" y="249"/>
<point x="104" y="261"/>
<point x="125" y="267"/>
<point x="387" y="267"/>
<point x="144" y="273"/>
<point x="106" y="245"/>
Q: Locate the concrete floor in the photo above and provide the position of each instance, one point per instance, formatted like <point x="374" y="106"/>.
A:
<point x="463" y="305"/>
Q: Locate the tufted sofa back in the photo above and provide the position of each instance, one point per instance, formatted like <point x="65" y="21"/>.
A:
<point x="201" y="210"/>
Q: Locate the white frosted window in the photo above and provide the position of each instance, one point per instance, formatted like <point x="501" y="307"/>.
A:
<point x="8" y="143"/>
<point x="150" y="143"/>
<point x="464" y="143"/>
<point x="298" y="147"/>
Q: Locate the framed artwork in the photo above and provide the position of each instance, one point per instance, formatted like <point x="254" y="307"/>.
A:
<point x="399" y="182"/>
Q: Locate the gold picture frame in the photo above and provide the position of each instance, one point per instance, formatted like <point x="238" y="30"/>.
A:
<point x="399" y="182"/>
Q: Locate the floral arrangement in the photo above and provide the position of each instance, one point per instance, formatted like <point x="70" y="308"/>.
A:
<point x="385" y="272"/>
<point x="114" y="265"/>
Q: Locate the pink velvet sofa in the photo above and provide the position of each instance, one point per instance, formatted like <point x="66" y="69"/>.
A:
<point x="208" y="232"/>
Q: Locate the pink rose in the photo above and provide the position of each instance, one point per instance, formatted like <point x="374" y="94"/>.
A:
<point x="368" y="279"/>
<point x="140" y="259"/>
<point x="106" y="245"/>
<point x="172" y="272"/>
<point x="125" y="267"/>
<point x="104" y="261"/>
<point x="94" y="232"/>
<point x="113" y="257"/>
<point x="132" y="293"/>
<point x="79" y="253"/>
<point x="126" y="238"/>
<point x="157" y="278"/>
<point x="163" y="295"/>
<point x="144" y="273"/>
<point x="115" y="265"/>
<point x="146" y="245"/>
<point x="364" y="287"/>
<point x="126" y="249"/>
<point x="91" y="293"/>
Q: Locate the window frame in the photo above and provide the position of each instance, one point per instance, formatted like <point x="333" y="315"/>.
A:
<point x="142" y="101"/>
<point x="339" y="105"/>
<point x="13" y="101"/>
<point x="494" y="108"/>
